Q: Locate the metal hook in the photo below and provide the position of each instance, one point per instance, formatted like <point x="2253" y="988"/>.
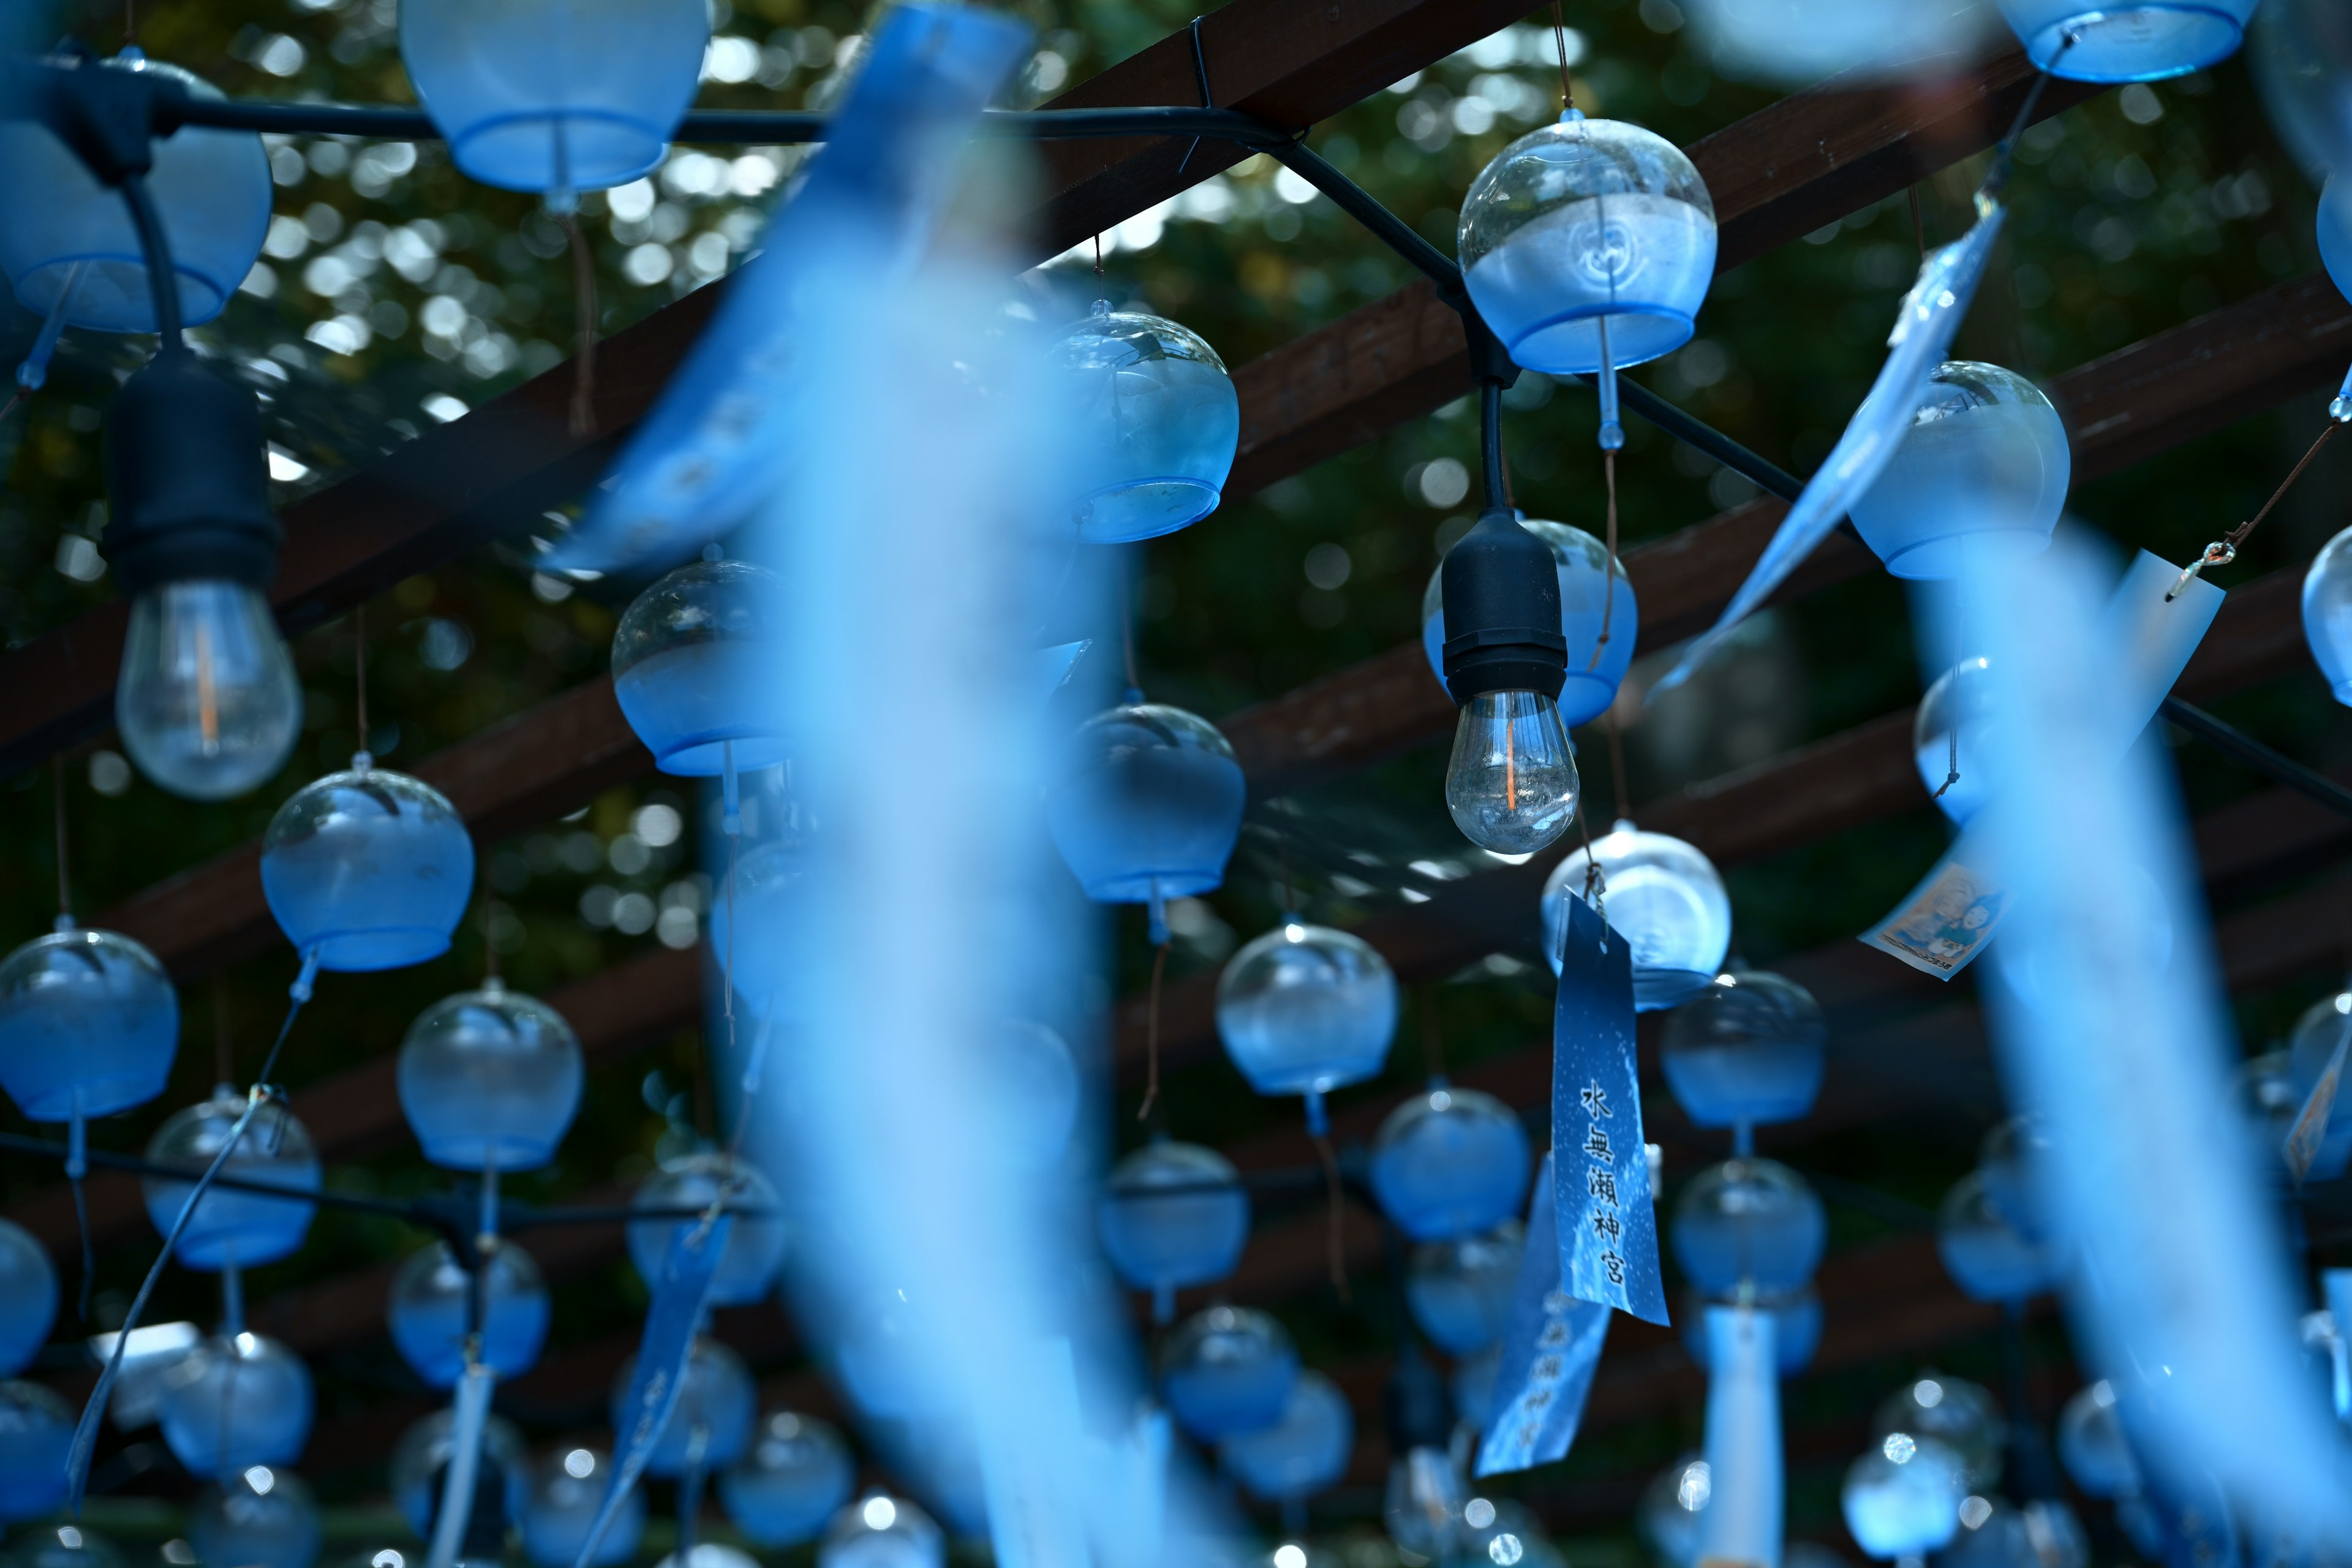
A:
<point x="1208" y="98"/>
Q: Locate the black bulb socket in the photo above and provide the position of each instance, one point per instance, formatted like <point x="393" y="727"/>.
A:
<point x="187" y="479"/>
<point x="1501" y="590"/>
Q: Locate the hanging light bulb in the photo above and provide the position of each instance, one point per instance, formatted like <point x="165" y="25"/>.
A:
<point x="1152" y="420"/>
<point x="1985" y="1255"/>
<point x="1664" y="896"/>
<point x="1303" y="1452"/>
<point x="36" y="1430"/>
<point x="237" y="1400"/>
<point x="1450" y="1163"/>
<point x="232" y="1227"/>
<point x="1960" y="1415"/>
<point x="1751" y="1221"/>
<point x="1599" y="619"/>
<point x="1173" y="1214"/>
<point x="262" y="1516"/>
<point x="1148" y="807"/>
<point x="1901" y="1498"/>
<point x="1747" y="1051"/>
<point x="1980" y="475"/>
<point x="421" y="1452"/>
<point x="796" y="1476"/>
<point x="566" y="1493"/>
<point x="490" y="1078"/>
<point x="427" y="1313"/>
<point x="1460" y="1291"/>
<point x="2148" y="40"/>
<point x="1511" y="784"/>
<point x="710" y="1424"/>
<point x="1305" y="1010"/>
<point x="1227" y="1371"/>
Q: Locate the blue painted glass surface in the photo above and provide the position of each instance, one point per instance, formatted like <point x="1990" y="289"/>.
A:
<point x="28" y="1297"/>
<point x="882" y="1532"/>
<point x="718" y="1405"/>
<point x="1149" y="805"/>
<point x="1747" y="1050"/>
<point x="261" y="1517"/>
<point x="1952" y="766"/>
<point x="211" y="188"/>
<point x="1450" y="1163"/>
<point x="1305" y="1451"/>
<point x="555" y="95"/>
<point x="1590" y="593"/>
<point x="1982" y="469"/>
<point x="1749" y="1220"/>
<point x="694" y="669"/>
<point x="1152" y="423"/>
<point x="1664" y="896"/>
<point x="85" y="1014"/>
<point x="2146" y="41"/>
<point x="754" y="1247"/>
<point x="427" y="1310"/>
<point x="489" y="1077"/>
<point x="2092" y="1444"/>
<point x="1189" y="1237"/>
<point x="1901" y="1498"/>
<point x="235" y="1402"/>
<point x="230" y="1225"/>
<point x="367" y="869"/>
<point x="797" y="1475"/>
<point x="36" y="1430"/>
<point x="2327" y="614"/>
<point x="1986" y="1256"/>
<point x="1305" y="1009"/>
<point x="1795" y="1330"/>
<point x="566" y="1491"/>
<point x="1460" y="1291"/>
<point x="1227" y="1371"/>
<point x="423" y="1448"/>
<point x="2336" y="234"/>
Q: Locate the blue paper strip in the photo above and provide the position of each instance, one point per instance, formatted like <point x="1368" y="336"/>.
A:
<point x="1550" y="1352"/>
<point x="1608" y="1228"/>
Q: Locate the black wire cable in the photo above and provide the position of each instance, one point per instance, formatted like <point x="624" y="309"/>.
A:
<point x="156" y="246"/>
<point x="1490" y="446"/>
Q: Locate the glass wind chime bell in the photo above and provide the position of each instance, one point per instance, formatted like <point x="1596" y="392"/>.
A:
<point x="1303" y="1452"/>
<point x="1796" y="1329"/>
<point x="1460" y="1291"/>
<point x="1987" y="1257"/>
<point x="1450" y="1163"/>
<point x="89" y="1026"/>
<point x="429" y="1312"/>
<point x="2327" y="614"/>
<point x="1593" y="597"/>
<point x="1948" y="738"/>
<point x="1750" y="1223"/>
<point x="882" y="1532"/>
<point x="1305" y="1010"/>
<point x="710" y="1425"/>
<point x="1981" y="475"/>
<point x="1173" y="1214"/>
<point x="1962" y="1416"/>
<point x="1747" y="1051"/>
<point x="1152" y="422"/>
<point x="1666" y="900"/>
<point x="694" y="668"/>
<point x="421" y="1452"/>
<point x="2147" y="40"/>
<point x="1901" y="1498"/>
<point x="231" y="1228"/>
<point x="566" y="1493"/>
<point x="1227" y="1371"/>
<point x="490" y="1079"/>
<point x="1148" y="807"/>
<point x="28" y="1298"/>
<point x="237" y="1400"/>
<point x="755" y="1241"/>
<point x="797" y="1474"/>
<point x="36" y="1430"/>
<point x="367" y="869"/>
<point x="2322" y="1028"/>
<point x="258" y="1518"/>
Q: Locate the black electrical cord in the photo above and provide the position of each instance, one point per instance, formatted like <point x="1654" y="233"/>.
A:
<point x="1490" y="446"/>
<point x="156" y="246"/>
<point x="2235" y="743"/>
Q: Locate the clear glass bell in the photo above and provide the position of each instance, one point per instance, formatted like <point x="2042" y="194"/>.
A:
<point x="2042" y="1534"/>
<point x="2262" y="1093"/>
<point x="755" y="1242"/>
<point x="1424" y="1502"/>
<point x="28" y="1298"/>
<point x="1303" y="1452"/>
<point x="1152" y="423"/>
<point x="2335" y="234"/>
<point x="63" y="1545"/>
<point x="1953" y="767"/>
<point x="1149" y="805"/>
<point x="1902" y="1498"/>
<point x="710" y="1425"/>
<point x="1747" y="1051"/>
<point x="1192" y="1235"/>
<point x="2011" y="1158"/>
<point x="261" y="1517"/>
<point x="423" y="1448"/>
<point x="1961" y="1415"/>
<point x="1796" y="1329"/>
<point x="427" y="1313"/>
<point x="367" y="869"/>
<point x="236" y="1400"/>
<point x="1667" y="1517"/>
<point x="879" y="1530"/>
<point x="761" y="916"/>
<point x="2148" y="40"/>
<point x="37" y="1429"/>
<point x="566" y="1491"/>
<point x="1460" y="1291"/>
<point x="1749" y="1221"/>
<point x="695" y="665"/>
<point x="1663" y="897"/>
<point x="1591" y="596"/>
<point x="1450" y="1163"/>
<point x="1305" y="1010"/>
<point x="231" y="1227"/>
<point x="1986" y="1256"/>
<point x="797" y="1475"/>
<point x="1981" y="475"/>
<point x="1227" y="1370"/>
<point x="85" y="1014"/>
<point x="2091" y="1445"/>
<point x="490" y="1078"/>
<point x="2327" y="614"/>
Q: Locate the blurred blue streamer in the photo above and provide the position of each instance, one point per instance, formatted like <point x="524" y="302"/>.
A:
<point x="1551" y="1350"/>
<point x="1607" y="1221"/>
<point x="1933" y="310"/>
<point x="2110" y="1025"/>
<point x="1741" y="1522"/>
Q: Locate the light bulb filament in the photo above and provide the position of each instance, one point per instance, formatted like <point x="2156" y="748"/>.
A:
<point x="207" y="695"/>
<point x="1510" y="768"/>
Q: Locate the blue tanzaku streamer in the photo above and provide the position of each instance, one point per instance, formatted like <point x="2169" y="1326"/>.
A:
<point x="1608" y="1228"/>
<point x="680" y="1297"/>
<point x="1550" y="1350"/>
<point x="1742" y="1523"/>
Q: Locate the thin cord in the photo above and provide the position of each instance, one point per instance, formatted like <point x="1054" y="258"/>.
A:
<point x="2005" y="157"/>
<point x="1609" y="582"/>
<point x="1335" y="1231"/>
<point x="57" y="797"/>
<point x="583" y="310"/>
<point x="1102" y="294"/>
<point x="359" y="662"/>
<point x="130" y="23"/>
<point x="2223" y="551"/>
<point x="1952" y="719"/>
<point x="1151" y="1037"/>
<point x="1918" y="226"/>
<point x="1559" y="38"/>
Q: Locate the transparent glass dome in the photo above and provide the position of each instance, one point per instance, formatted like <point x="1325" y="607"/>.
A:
<point x="1450" y="1163"/>
<point x="1460" y="1291"/>
<point x="566" y="1490"/>
<point x="1192" y="1235"/>
<point x="1582" y="225"/>
<point x="1303" y="1452"/>
<point x="2327" y="614"/>
<point x="1961" y="695"/>
<point x="695" y="665"/>
<point x="1663" y="897"/>
<point x="210" y="188"/>
<point x="207" y="701"/>
<point x="755" y="1245"/>
<point x="1752" y="1220"/>
<point x="2010" y="1157"/>
<point x="2145" y="42"/>
<point x="367" y="869"/>
<point x="426" y="1313"/>
<point x="1227" y="1371"/>
<point x="261" y="1517"/>
<point x="2334" y="227"/>
<point x="1747" y="1051"/>
<point x="717" y="1404"/>
<point x="233" y="1226"/>
<point x="490" y="1078"/>
<point x="1589" y="590"/>
<point x="1796" y="1329"/>
<point x="36" y="1430"/>
<point x="1305" y="1009"/>
<point x="2301" y="53"/>
<point x="1149" y="805"/>
<point x="88" y="1015"/>
<point x="28" y="1298"/>
<point x="1152" y="423"/>
<point x="555" y="95"/>
<point x="1981" y="475"/>
<point x="1667" y="1517"/>
<point x="765" y="920"/>
<point x="236" y="1401"/>
<point x="1962" y="1416"/>
<point x="2092" y="1444"/>
<point x="1901" y="1498"/>
<point x="2321" y="1028"/>
<point x="424" y="1447"/>
<point x="796" y="1476"/>
<point x="879" y="1530"/>
<point x="1985" y="1255"/>
<point x="1027" y="1092"/>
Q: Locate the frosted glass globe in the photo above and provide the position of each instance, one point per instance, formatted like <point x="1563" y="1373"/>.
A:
<point x="85" y="1014"/>
<point x="1962" y="695"/>
<point x="423" y="1448"/>
<point x="1588" y="593"/>
<point x="1751" y="1220"/>
<point x="231" y="1225"/>
<point x="2147" y="41"/>
<point x="1901" y="1498"/>
<point x="1191" y="1235"/>
<point x="1795" y="1330"/>
<point x="696" y="668"/>
<point x="1450" y="1163"/>
<point x="1304" y="1451"/>
<point x="1149" y="805"/>
<point x="426" y="1313"/>
<point x="755" y="1245"/>
<point x="797" y="1475"/>
<point x="566" y="1490"/>
<point x="1663" y="897"/>
<point x="1981" y="475"/>
<point x="2092" y="1444"/>
<point x="2336" y="248"/>
<point x="490" y="1078"/>
<point x="237" y="1401"/>
<point x="764" y="922"/>
<point x="882" y="1532"/>
<point x="1460" y="1291"/>
<point x="2327" y="614"/>
<point x="1960" y="1415"/>
<point x="1227" y="1371"/>
<point x="1584" y="223"/>
<point x="1305" y="1009"/>
<point x="261" y="1517"/>
<point x="1151" y="423"/>
<point x="28" y="1298"/>
<point x="717" y="1406"/>
<point x="2011" y="1158"/>
<point x="367" y="869"/>
<point x="1747" y="1050"/>
<point x="1667" y="1517"/>
<point x="36" y="1430"/>
<point x="1987" y="1257"/>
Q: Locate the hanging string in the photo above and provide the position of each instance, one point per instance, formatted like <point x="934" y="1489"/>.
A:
<point x="583" y="310"/>
<point x="1151" y="1036"/>
<point x="1918" y="225"/>
<point x="359" y="665"/>
<point x="1559" y="39"/>
<point x="130" y="23"/>
<point x="2224" y="550"/>
<point x="1335" y="1229"/>
<point x="1609" y="577"/>
<point x="1952" y="715"/>
<point x="2005" y="157"/>
<point x="1102" y="294"/>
